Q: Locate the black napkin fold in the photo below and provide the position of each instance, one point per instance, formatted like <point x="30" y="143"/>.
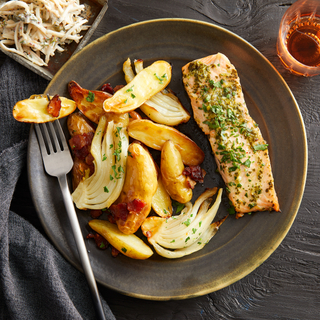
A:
<point x="36" y="281"/>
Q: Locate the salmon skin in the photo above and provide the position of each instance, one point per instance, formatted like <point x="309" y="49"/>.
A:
<point x="241" y="153"/>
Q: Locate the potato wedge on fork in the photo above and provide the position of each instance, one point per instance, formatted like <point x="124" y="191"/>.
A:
<point x="34" y="109"/>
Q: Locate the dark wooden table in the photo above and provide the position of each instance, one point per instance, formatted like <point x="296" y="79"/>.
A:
<point x="287" y="285"/>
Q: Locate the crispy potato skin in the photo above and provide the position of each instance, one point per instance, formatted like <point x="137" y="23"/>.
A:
<point x="175" y="182"/>
<point x="141" y="183"/>
<point x="92" y="110"/>
<point x="77" y="123"/>
<point x="78" y="172"/>
<point x="134" y="115"/>
<point x="154" y="135"/>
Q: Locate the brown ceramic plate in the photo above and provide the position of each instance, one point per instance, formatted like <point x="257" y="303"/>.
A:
<point x="97" y="9"/>
<point x="241" y="245"/>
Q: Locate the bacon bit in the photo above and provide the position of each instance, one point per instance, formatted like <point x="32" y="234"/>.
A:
<point x="114" y="252"/>
<point x="119" y="211"/>
<point x="101" y="242"/>
<point x="95" y="213"/>
<point x="81" y="144"/>
<point x="136" y="205"/>
<point x="191" y="183"/>
<point x="196" y="173"/>
<point x="54" y="106"/>
<point x="111" y="218"/>
<point x="118" y="87"/>
<point x="148" y="234"/>
<point x="107" y="88"/>
<point x="89" y="159"/>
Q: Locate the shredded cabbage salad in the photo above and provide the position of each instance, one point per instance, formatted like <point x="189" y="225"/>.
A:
<point x="36" y="29"/>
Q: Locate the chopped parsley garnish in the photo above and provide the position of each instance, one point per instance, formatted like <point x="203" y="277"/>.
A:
<point x="90" y="97"/>
<point x="130" y="89"/>
<point x="187" y="222"/>
<point x="260" y="147"/>
<point x="163" y="77"/>
<point x="251" y="205"/>
<point x="247" y="163"/>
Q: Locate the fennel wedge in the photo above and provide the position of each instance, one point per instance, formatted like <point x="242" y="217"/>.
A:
<point x="109" y="149"/>
<point x="188" y="232"/>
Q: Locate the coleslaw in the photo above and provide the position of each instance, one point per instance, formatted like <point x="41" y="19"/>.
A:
<point x="36" y="29"/>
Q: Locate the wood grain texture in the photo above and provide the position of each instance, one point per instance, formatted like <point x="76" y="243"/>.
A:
<point x="287" y="285"/>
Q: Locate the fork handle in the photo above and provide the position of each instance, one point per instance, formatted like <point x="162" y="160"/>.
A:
<point x="82" y="250"/>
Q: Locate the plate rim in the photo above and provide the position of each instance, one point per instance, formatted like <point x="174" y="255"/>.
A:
<point x="304" y="173"/>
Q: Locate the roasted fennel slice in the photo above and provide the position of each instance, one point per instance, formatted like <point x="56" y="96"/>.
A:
<point x="109" y="149"/>
<point x="188" y="232"/>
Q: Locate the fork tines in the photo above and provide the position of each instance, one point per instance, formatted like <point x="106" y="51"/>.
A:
<point x="52" y="136"/>
<point x="54" y="148"/>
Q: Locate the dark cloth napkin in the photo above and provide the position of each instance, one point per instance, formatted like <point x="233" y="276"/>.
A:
<point x="36" y="281"/>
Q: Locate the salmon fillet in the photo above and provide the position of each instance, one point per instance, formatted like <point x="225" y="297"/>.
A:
<point x="241" y="153"/>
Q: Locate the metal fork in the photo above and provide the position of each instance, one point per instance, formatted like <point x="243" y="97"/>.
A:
<point x="58" y="162"/>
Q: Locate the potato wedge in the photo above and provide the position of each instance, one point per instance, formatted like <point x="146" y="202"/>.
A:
<point x="80" y="171"/>
<point x="161" y="201"/>
<point x="155" y="135"/>
<point x="164" y="107"/>
<point x="140" y="185"/>
<point x="90" y="103"/>
<point x="134" y="115"/>
<point x="151" y="225"/>
<point x="130" y="245"/>
<point x="175" y="182"/>
<point x="77" y="123"/>
<point x="34" y="109"/>
<point x="144" y="85"/>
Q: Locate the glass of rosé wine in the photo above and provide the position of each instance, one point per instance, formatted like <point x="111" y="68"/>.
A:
<point x="298" y="43"/>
